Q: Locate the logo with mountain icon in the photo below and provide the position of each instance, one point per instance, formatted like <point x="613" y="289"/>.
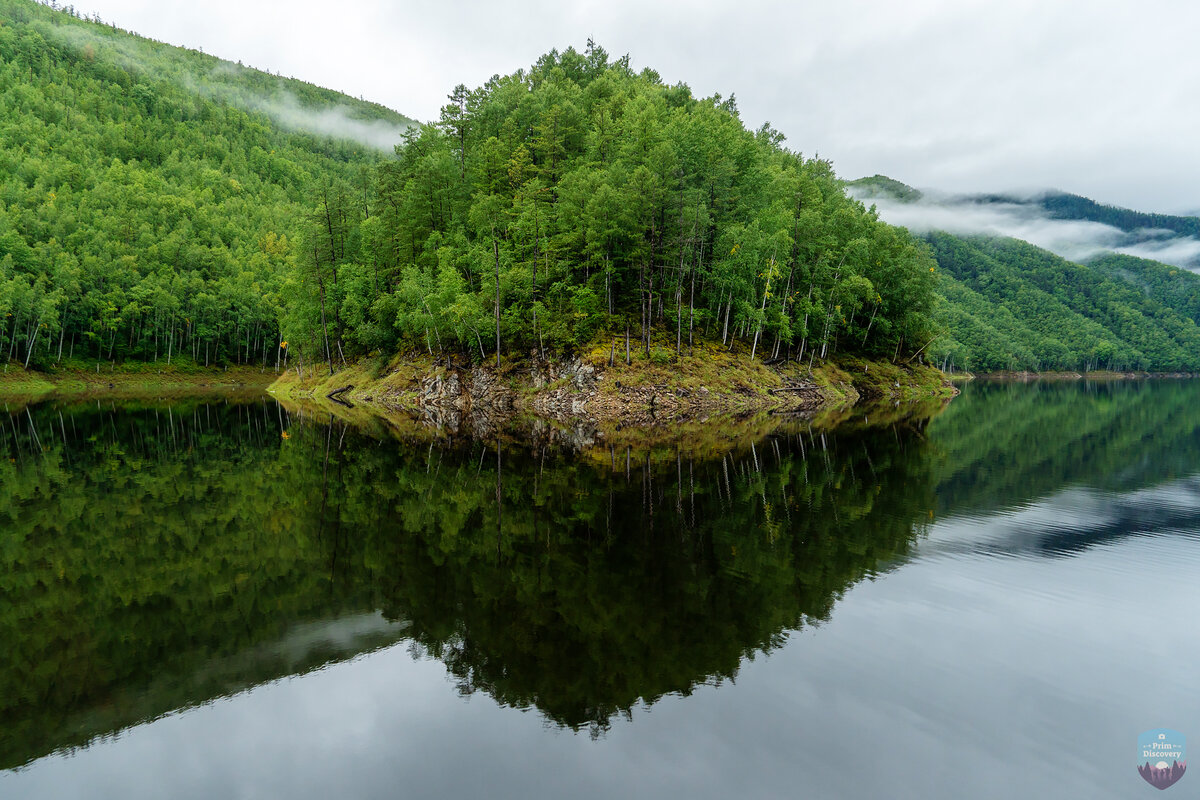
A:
<point x="1162" y="757"/>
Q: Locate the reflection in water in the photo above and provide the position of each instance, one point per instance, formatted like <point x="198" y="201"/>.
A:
<point x="156" y="557"/>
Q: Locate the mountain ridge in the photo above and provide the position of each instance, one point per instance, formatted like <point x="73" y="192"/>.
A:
<point x="1006" y="303"/>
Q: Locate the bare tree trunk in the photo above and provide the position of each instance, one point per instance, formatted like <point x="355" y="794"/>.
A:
<point x="728" y="306"/>
<point x="30" y="346"/>
<point x="324" y="325"/>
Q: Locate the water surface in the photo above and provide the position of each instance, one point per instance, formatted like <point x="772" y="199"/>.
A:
<point x="206" y="599"/>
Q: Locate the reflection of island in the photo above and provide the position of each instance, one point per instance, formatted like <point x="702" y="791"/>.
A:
<point x="1163" y="777"/>
<point x="159" y="558"/>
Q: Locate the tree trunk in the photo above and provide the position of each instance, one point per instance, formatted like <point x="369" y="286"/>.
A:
<point x="496" y="251"/>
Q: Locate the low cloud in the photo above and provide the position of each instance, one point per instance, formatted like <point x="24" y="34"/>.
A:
<point x="1181" y="251"/>
<point x="333" y="121"/>
<point x="223" y="82"/>
<point x="1023" y="218"/>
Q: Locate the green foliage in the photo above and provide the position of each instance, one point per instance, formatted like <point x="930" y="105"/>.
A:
<point x="583" y="197"/>
<point x="1072" y="206"/>
<point x="1007" y="305"/>
<point x="150" y="195"/>
<point x="883" y="186"/>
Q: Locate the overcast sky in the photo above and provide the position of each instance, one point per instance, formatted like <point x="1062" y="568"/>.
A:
<point x="1095" y="97"/>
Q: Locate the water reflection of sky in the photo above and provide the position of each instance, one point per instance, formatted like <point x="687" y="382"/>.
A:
<point x="971" y="677"/>
<point x="1070" y="520"/>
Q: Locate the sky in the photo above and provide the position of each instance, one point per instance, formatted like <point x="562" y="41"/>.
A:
<point x="1096" y="98"/>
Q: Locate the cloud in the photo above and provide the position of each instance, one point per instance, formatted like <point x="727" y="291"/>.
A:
<point x="1023" y="218"/>
<point x="333" y="121"/>
<point x="1182" y="251"/>
<point x="1091" y="96"/>
<point x="224" y="82"/>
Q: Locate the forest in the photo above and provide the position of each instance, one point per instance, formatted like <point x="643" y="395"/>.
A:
<point x="147" y="202"/>
<point x="582" y="199"/>
<point x="1004" y="304"/>
<point x="161" y="205"/>
<point x="155" y="208"/>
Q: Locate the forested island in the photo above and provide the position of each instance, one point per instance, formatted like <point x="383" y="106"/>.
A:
<point x="164" y="209"/>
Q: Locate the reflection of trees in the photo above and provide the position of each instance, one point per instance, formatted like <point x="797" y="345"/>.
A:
<point x="150" y="559"/>
<point x="618" y="584"/>
<point x="1003" y="443"/>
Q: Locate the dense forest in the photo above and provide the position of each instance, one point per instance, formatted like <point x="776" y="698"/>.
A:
<point x="149" y="194"/>
<point x="161" y="205"/>
<point x="1072" y="206"/>
<point x="581" y="198"/>
<point x="1005" y="304"/>
<point x="159" y="202"/>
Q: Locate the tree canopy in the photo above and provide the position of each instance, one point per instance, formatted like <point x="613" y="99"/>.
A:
<point x="148" y="197"/>
<point x="581" y="197"/>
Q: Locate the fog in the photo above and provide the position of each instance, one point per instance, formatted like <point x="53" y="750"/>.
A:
<point x="222" y="83"/>
<point x="333" y="121"/>
<point x="1023" y="218"/>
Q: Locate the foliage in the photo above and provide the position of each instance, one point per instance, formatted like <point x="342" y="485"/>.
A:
<point x="883" y="186"/>
<point x="1072" y="206"/>
<point x="148" y="201"/>
<point x="1006" y="305"/>
<point x="581" y="198"/>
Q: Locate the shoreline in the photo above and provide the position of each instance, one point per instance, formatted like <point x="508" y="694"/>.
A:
<point x="131" y="380"/>
<point x="585" y="388"/>
<point x="711" y="382"/>
<point x="1026" y="376"/>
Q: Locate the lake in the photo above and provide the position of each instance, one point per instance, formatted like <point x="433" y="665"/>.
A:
<point x="234" y="598"/>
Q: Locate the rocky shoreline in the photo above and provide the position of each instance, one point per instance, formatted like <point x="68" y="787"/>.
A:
<point x="575" y="389"/>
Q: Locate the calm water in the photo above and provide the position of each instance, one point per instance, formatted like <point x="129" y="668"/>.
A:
<point x="230" y="600"/>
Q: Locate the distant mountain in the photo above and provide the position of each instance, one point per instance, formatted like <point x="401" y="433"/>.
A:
<point x="1009" y="305"/>
<point x="1054" y="281"/>
<point x="883" y="186"/>
<point x="1060" y="205"/>
<point x="1070" y="225"/>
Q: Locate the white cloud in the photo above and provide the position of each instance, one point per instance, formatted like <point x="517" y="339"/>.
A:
<point x="1077" y="240"/>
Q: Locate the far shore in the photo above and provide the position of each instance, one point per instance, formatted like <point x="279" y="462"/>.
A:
<point x="1068" y="375"/>
<point x="134" y="379"/>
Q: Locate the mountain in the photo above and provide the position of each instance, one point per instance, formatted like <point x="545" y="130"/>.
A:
<point x="1006" y="303"/>
<point x="1072" y="226"/>
<point x="150" y="195"/>
<point x="161" y="204"/>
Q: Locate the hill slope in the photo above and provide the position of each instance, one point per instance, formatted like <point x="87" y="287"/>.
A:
<point x="1009" y="305"/>
<point x="150" y="195"/>
<point x="1004" y="303"/>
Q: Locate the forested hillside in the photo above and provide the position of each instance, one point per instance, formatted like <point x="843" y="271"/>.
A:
<point x="149" y="195"/>
<point x="581" y="198"/>
<point x="1005" y="304"/>
<point x="1072" y="206"/>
